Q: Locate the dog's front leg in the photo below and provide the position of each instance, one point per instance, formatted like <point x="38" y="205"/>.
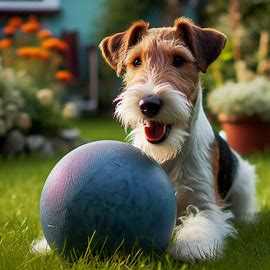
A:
<point x="201" y="234"/>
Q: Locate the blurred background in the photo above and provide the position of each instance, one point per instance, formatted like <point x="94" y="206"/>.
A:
<point x="51" y="71"/>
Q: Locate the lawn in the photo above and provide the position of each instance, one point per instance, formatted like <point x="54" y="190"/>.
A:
<point x="21" y="181"/>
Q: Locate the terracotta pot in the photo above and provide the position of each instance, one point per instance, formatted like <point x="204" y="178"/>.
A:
<point x="247" y="135"/>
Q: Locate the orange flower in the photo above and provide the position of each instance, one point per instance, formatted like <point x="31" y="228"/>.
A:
<point x="15" y="22"/>
<point x="43" y="54"/>
<point x="44" y="34"/>
<point x="30" y="27"/>
<point x="5" y="43"/>
<point x="24" y="52"/>
<point x="55" y="44"/>
<point x="64" y="76"/>
<point x="33" y="52"/>
<point x="32" y="18"/>
<point x="9" y="30"/>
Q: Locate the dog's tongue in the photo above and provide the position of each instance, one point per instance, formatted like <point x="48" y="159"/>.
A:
<point x="154" y="131"/>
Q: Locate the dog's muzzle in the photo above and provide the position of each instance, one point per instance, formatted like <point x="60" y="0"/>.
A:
<point x="150" y="106"/>
<point x="155" y="131"/>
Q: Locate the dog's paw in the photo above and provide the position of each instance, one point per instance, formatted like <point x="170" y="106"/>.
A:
<point x="192" y="252"/>
<point x="200" y="236"/>
<point x="40" y="246"/>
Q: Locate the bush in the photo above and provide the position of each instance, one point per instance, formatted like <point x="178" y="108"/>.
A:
<point x="242" y="99"/>
<point x="32" y="79"/>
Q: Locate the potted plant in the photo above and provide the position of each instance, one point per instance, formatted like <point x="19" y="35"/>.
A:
<point x="243" y="106"/>
<point x="243" y="109"/>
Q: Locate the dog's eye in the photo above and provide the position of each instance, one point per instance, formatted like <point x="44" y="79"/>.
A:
<point x="137" y="62"/>
<point x="178" y="61"/>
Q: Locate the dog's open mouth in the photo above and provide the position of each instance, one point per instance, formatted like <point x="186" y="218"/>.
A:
<point x="156" y="132"/>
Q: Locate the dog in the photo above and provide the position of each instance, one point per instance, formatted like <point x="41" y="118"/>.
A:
<point x="162" y="103"/>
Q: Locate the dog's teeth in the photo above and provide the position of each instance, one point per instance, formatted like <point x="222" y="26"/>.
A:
<point x="145" y="122"/>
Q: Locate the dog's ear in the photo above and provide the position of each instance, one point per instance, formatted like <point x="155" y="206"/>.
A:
<point x="115" y="47"/>
<point x="206" y="44"/>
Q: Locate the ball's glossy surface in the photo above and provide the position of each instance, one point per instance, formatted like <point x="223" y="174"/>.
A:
<point x="109" y="188"/>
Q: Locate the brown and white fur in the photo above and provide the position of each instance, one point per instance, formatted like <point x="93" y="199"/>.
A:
<point x="161" y="66"/>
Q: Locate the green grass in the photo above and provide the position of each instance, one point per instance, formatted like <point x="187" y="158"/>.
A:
<point x="21" y="181"/>
<point x="101" y="129"/>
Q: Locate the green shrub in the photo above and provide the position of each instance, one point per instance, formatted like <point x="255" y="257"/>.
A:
<point x="242" y="99"/>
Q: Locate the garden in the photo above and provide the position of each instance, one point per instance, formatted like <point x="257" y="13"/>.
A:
<point x="39" y="124"/>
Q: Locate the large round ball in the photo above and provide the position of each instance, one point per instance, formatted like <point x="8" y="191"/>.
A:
<point x="107" y="191"/>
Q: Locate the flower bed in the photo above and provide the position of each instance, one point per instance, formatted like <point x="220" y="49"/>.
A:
<point x="32" y="80"/>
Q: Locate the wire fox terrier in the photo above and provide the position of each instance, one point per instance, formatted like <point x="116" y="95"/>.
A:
<point x="162" y="103"/>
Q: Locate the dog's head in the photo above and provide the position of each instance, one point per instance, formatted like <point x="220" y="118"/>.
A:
<point x="160" y="68"/>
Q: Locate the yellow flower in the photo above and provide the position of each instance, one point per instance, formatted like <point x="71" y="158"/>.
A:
<point x="45" y="97"/>
<point x="24" y="121"/>
<point x="69" y="110"/>
<point x="11" y="108"/>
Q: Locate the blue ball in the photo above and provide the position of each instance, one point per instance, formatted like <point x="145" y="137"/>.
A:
<point x="111" y="191"/>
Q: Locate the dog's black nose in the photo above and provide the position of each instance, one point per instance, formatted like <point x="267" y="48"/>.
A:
<point x="150" y="106"/>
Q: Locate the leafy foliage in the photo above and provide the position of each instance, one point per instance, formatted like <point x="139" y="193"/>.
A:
<point x="243" y="99"/>
<point x="243" y="22"/>
<point x="31" y="79"/>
